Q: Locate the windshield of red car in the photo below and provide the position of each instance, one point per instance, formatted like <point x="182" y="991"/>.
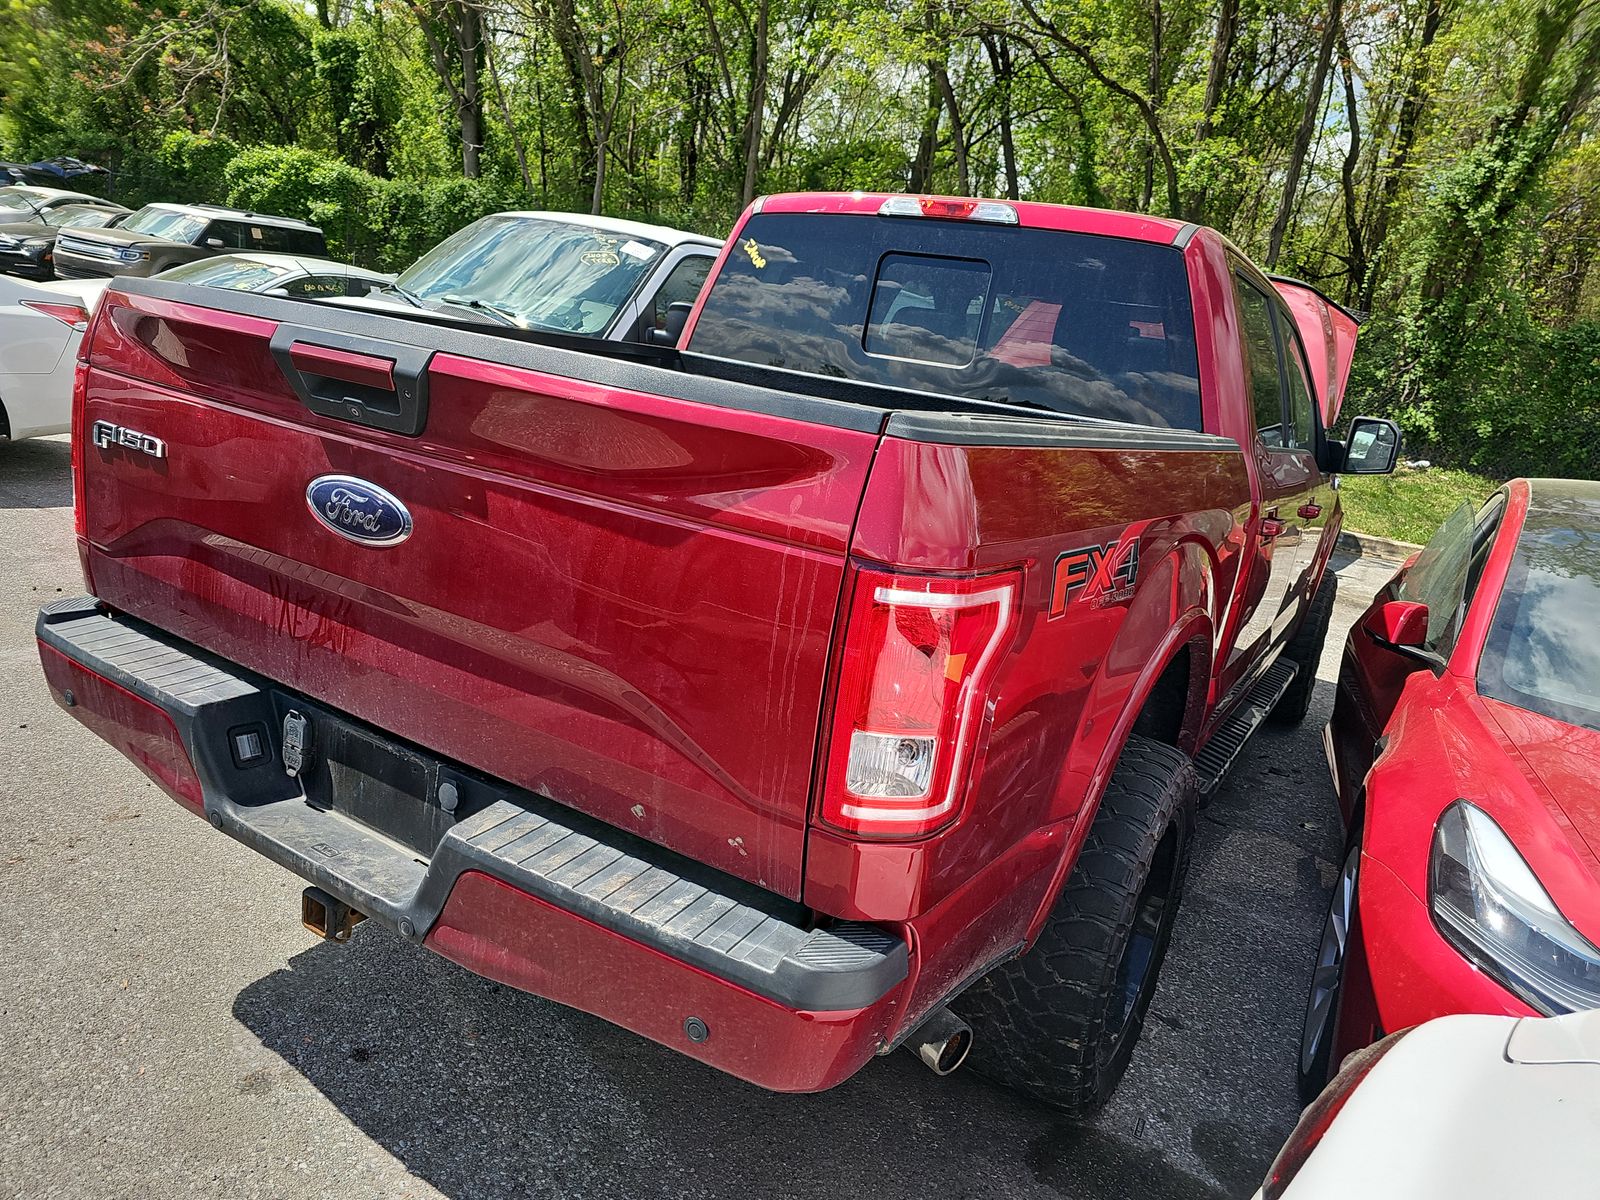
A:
<point x="1086" y="325"/>
<point x="1543" y="650"/>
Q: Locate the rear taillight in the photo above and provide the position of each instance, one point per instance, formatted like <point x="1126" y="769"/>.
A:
<point x="1319" y="1115"/>
<point x="75" y="315"/>
<point x="919" y="657"/>
<point x="80" y="400"/>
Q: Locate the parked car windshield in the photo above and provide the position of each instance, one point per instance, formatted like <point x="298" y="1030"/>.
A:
<point x="1542" y="653"/>
<point x="14" y="199"/>
<point x="1086" y="325"/>
<point x="165" y="223"/>
<point x="77" y="218"/>
<point x="536" y="272"/>
<point x="229" y="272"/>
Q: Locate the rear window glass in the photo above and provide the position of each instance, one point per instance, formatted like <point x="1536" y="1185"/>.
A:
<point x="290" y="241"/>
<point x="1542" y="653"/>
<point x="1085" y="325"/>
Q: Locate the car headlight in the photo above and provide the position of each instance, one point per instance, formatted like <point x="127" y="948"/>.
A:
<point x="35" y="247"/>
<point x="1489" y="904"/>
<point x="132" y="255"/>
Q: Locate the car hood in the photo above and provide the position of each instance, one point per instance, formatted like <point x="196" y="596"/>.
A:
<point x="122" y="237"/>
<point x="1562" y="760"/>
<point x="25" y="229"/>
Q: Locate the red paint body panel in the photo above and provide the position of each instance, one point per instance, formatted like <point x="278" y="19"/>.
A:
<point x="634" y="604"/>
<point x="140" y="730"/>
<point x="499" y="932"/>
<point x="584" y="566"/>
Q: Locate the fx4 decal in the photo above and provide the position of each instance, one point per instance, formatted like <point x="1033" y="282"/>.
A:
<point x="1100" y="575"/>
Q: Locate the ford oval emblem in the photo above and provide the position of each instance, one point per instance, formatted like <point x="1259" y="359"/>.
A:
<point x="358" y="510"/>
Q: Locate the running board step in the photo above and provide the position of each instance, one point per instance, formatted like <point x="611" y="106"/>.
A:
<point x="1228" y="742"/>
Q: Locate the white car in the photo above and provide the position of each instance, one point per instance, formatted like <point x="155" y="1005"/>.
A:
<point x="41" y="325"/>
<point x="561" y="273"/>
<point x="1463" y="1107"/>
<point x="24" y="202"/>
<point x="280" y="275"/>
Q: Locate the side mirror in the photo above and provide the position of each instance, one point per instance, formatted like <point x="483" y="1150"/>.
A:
<point x="1402" y="626"/>
<point x="277" y="291"/>
<point x="677" y="317"/>
<point x="215" y="243"/>
<point x="1372" y="447"/>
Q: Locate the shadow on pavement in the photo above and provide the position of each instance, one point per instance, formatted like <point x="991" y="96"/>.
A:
<point x="484" y="1092"/>
<point x="36" y="473"/>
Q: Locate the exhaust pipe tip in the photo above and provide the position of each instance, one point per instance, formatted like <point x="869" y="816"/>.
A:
<point x="942" y="1042"/>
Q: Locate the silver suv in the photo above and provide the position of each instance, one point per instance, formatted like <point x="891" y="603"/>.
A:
<point x="159" y="236"/>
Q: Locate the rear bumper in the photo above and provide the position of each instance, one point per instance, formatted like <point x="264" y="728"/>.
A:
<point x="515" y="888"/>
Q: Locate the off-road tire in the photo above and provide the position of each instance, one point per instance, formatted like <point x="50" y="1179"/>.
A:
<point x="1305" y="651"/>
<point x="1057" y="1024"/>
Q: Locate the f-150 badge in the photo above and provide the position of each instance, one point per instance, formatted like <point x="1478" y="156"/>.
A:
<point x="106" y="435"/>
<point x="358" y="510"/>
<point x="1099" y="575"/>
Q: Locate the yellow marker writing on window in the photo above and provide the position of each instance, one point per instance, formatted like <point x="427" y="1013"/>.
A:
<point x="757" y="259"/>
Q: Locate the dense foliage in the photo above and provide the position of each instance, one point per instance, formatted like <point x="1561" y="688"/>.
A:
<point x="1432" y="162"/>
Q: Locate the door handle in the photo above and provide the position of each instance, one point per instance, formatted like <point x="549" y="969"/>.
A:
<point x="1311" y="511"/>
<point x="1271" y="527"/>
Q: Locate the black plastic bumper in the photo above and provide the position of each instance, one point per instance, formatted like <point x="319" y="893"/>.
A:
<point x="622" y="883"/>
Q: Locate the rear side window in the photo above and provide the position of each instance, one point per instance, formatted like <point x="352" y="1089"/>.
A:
<point x="1261" y="348"/>
<point x="282" y="240"/>
<point x="1080" y="324"/>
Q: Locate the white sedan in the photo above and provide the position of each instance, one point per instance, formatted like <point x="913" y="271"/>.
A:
<point x="1464" y="1108"/>
<point x="296" y="275"/>
<point x="41" y="325"/>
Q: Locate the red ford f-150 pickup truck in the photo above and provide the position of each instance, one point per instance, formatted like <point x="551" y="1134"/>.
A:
<point x="859" y="664"/>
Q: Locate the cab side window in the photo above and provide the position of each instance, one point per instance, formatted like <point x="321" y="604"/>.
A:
<point x="1301" y="432"/>
<point x="1261" y="352"/>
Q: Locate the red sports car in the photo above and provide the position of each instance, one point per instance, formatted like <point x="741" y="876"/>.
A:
<point x="1465" y="748"/>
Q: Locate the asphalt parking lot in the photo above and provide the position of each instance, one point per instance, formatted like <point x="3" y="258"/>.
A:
<point x="169" y="1030"/>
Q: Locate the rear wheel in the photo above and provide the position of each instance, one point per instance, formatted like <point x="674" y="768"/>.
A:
<point x="1305" y="651"/>
<point x="1060" y="1023"/>
<point x="1321" y="1029"/>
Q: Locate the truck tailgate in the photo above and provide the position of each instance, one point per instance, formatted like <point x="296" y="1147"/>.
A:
<point x="617" y="598"/>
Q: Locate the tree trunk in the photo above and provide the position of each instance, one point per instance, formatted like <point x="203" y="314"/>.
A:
<point x="1411" y="109"/>
<point x="1000" y="62"/>
<point x="1356" y="266"/>
<point x="469" y="41"/>
<point x="1222" y="40"/>
<point x="755" y="118"/>
<point x="1303" y="135"/>
<point x="958" y="137"/>
<point x="927" y="143"/>
<point x="517" y="144"/>
<point x="579" y="65"/>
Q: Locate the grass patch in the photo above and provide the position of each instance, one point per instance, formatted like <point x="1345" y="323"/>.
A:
<point x="1408" y="505"/>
